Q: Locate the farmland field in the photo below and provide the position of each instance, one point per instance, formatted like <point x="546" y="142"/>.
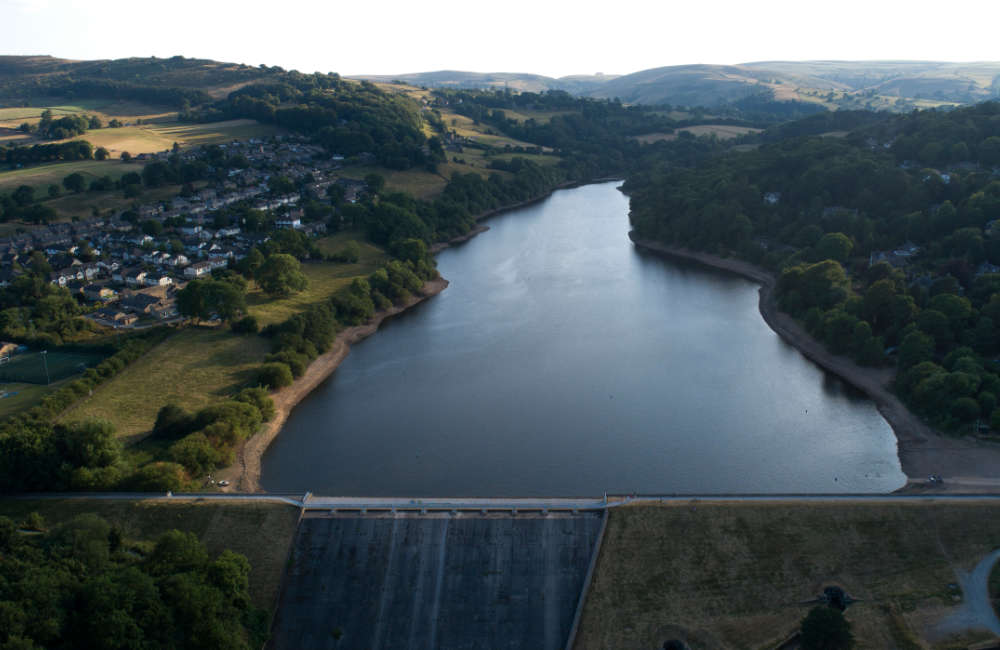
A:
<point x="151" y="138"/>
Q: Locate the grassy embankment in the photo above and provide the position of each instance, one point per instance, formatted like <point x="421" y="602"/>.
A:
<point x="197" y="366"/>
<point x="261" y="531"/>
<point x="737" y="575"/>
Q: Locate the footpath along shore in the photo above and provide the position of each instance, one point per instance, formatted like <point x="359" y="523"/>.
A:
<point x="967" y="464"/>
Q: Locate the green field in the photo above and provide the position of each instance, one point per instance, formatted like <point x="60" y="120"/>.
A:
<point x="736" y="575"/>
<point x="524" y="114"/>
<point x="325" y="279"/>
<point x="426" y="185"/>
<point x="193" y="368"/>
<point x="83" y="204"/>
<point x="261" y="531"/>
<point x="36" y="368"/>
<point x="151" y="138"/>
<point x="41" y="176"/>
<point x="105" y="109"/>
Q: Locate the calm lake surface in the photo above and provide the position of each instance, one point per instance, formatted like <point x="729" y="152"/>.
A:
<point x="561" y="361"/>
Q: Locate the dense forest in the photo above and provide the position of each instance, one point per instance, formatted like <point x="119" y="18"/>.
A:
<point x="347" y="118"/>
<point x="83" y="584"/>
<point x="886" y="241"/>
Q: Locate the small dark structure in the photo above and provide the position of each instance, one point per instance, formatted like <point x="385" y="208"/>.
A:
<point x="833" y="596"/>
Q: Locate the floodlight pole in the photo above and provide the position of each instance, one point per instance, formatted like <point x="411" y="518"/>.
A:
<point x="45" y="361"/>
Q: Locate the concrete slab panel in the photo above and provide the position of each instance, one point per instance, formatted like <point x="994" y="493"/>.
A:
<point x="425" y="582"/>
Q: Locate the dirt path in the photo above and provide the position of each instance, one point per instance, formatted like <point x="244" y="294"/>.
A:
<point x="968" y="465"/>
<point x="976" y="611"/>
<point x="244" y="475"/>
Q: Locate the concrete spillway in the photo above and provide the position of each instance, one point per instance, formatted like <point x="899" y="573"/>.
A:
<point x="435" y="581"/>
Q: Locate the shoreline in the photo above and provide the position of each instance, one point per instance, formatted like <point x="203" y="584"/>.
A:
<point x="248" y="458"/>
<point x="967" y="464"/>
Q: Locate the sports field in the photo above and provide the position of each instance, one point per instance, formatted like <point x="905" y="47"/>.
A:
<point x="45" y="368"/>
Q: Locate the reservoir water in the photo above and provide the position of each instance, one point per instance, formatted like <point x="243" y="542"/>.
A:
<point x="562" y="361"/>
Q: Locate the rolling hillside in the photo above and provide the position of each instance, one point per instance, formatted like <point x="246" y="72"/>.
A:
<point x="892" y="85"/>
<point x="523" y="82"/>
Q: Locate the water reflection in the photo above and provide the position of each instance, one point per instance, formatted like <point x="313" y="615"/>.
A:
<point x="562" y="361"/>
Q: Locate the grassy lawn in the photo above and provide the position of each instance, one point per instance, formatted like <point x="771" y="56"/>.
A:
<point x="193" y="368"/>
<point x="261" y="531"/>
<point x="481" y="133"/>
<point x="426" y="185"/>
<point x="325" y="279"/>
<point x="418" y="182"/>
<point x="41" y="176"/>
<point x="524" y="114"/>
<point x="541" y="159"/>
<point x="83" y="204"/>
<point x="370" y="255"/>
<point x="735" y="576"/>
<point x="721" y="131"/>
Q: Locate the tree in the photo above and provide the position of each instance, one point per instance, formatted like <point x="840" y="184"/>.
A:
<point x="172" y="422"/>
<point x="280" y="185"/>
<point x="274" y="375"/>
<point x="375" y="182"/>
<point x="126" y="156"/>
<point x="152" y="228"/>
<point x="101" y="154"/>
<point x="246" y="325"/>
<point x="23" y="195"/>
<point x="834" y="246"/>
<point x="825" y="628"/>
<point x="281" y="275"/>
<point x="203" y="297"/>
<point x="250" y="265"/>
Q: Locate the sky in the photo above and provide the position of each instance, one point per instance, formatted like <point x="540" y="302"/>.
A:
<point x="551" y="38"/>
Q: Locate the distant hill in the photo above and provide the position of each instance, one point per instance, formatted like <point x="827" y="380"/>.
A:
<point x="697" y="85"/>
<point x="23" y="77"/>
<point x="522" y="82"/>
<point x="936" y="80"/>
<point x="894" y="85"/>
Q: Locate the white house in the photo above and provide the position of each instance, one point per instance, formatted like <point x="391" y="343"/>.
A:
<point x="198" y="269"/>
